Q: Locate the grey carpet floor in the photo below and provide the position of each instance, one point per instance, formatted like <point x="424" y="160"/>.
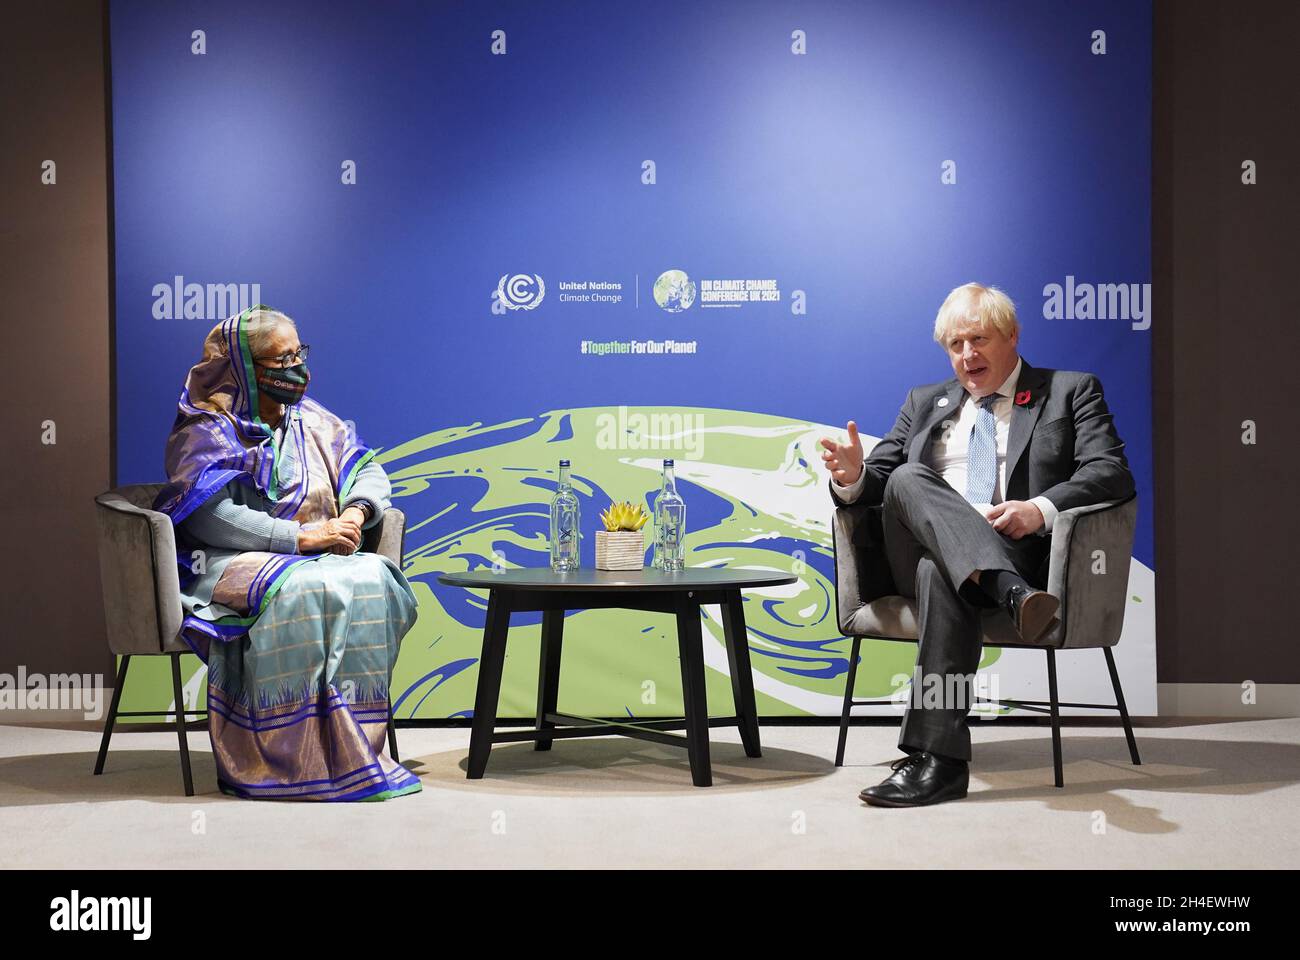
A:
<point x="1208" y="795"/>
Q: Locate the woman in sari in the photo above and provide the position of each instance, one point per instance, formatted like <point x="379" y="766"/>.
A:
<point x="269" y="493"/>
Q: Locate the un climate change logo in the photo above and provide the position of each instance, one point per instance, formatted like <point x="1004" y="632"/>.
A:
<point x="674" y="291"/>
<point x="520" y="292"/>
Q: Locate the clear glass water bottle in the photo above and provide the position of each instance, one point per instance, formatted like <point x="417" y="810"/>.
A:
<point x="670" y="524"/>
<point x="565" y="523"/>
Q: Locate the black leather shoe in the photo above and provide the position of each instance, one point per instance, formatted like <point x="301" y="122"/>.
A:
<point x="918" y="780"/>
<point x="1032" y="611"/>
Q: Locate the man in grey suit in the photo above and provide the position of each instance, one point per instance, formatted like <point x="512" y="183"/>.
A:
<point x="971" y="478"/>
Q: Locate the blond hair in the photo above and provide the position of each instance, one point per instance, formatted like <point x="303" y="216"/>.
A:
<point x="976" y="303"/>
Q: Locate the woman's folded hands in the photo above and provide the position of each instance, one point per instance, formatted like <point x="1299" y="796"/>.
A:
<point x="341" y="535"/>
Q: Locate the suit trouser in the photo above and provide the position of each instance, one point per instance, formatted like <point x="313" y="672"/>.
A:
<point x="934" y="540"/>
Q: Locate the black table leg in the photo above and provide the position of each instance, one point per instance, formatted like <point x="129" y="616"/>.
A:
<point x="489" y="685"/>
<point x="694" y="700"/>
<point x="742" y="679"/>
<point x="548" y="673"/>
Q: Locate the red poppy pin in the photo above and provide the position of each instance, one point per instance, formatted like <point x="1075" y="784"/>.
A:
<point x="1022" y="398"/>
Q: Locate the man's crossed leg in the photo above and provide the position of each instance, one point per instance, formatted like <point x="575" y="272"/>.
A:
<point x="945" y="554"/>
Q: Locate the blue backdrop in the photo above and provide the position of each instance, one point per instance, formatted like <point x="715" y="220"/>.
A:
<point x="821" y="171"/>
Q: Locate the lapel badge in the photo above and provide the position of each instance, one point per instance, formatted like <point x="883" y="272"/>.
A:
<point x="943" y="401"/>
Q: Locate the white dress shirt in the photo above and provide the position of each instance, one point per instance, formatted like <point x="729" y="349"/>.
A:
<point x="949" y="454"/>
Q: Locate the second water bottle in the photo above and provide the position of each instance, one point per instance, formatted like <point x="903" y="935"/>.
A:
<point x="670" y="524"/>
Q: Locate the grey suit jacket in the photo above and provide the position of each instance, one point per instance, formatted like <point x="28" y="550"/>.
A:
<point x="1062" y="443"/>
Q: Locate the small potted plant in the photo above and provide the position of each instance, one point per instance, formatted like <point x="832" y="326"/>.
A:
<point x="621" y="546"/>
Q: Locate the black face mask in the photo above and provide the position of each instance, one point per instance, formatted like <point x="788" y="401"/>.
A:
<point x="283" y="384"/>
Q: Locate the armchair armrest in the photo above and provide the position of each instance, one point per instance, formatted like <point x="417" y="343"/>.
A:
<point x="1088" y="571"/>
<point x="137" y="565"/>
<point x="387" y="537"/>
<point x="862" y="571"/>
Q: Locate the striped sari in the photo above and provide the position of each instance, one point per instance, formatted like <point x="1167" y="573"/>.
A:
<point x="299" y="648"/>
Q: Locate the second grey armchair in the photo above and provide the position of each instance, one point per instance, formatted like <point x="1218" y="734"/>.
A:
<point x="1091" y="613"/>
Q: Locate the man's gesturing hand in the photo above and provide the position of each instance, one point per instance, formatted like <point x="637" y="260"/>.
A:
<point x="844" y="460"/>
<point x="1015" y="518"/>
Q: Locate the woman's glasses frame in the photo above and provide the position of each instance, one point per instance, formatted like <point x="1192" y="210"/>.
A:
<point x="286" y="359"/>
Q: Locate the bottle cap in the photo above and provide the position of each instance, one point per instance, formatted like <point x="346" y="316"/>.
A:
<point x="668" y="463"/>
<point x="564" y="463"/>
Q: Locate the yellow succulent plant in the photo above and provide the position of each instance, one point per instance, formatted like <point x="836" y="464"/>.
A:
<point x="624" y="516"/>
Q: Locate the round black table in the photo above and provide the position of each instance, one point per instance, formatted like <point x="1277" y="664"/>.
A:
<point x="680" y="593"/>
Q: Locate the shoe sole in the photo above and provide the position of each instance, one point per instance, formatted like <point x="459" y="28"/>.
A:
<point x="1038" y="616"/>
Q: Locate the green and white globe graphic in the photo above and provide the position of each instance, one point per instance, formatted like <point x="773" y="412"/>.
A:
<point x="476" y="495"/>
<point x="674" y="291"/>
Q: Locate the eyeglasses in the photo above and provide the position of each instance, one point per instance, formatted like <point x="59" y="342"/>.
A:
<point x="287" y="359"/>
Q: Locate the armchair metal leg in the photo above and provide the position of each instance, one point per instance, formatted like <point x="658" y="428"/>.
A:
<point x="1056" y="717"/>
<point x="112" y="714"/>
<point x="1123" y="708"/>
<point x="848" y="702"/>
<point x="392" y="735"/>
<point x="179" y="693"/>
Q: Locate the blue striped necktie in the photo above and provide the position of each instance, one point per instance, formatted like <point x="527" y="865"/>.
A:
<point x="982" y="457"/>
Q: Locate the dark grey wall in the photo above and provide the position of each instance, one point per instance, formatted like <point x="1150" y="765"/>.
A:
<point x="1225" y="91"/>
<point x="1224" y="328"/>
<point x="54" y="296"/>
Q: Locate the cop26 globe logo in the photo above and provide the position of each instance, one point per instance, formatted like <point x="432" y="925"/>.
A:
<point x="674" y="291"/>
<point x="521" y="291"/>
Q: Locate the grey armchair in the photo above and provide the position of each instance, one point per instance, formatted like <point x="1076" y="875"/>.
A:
<point x="142" y="602"/>
<point x="1091" y="613"/>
